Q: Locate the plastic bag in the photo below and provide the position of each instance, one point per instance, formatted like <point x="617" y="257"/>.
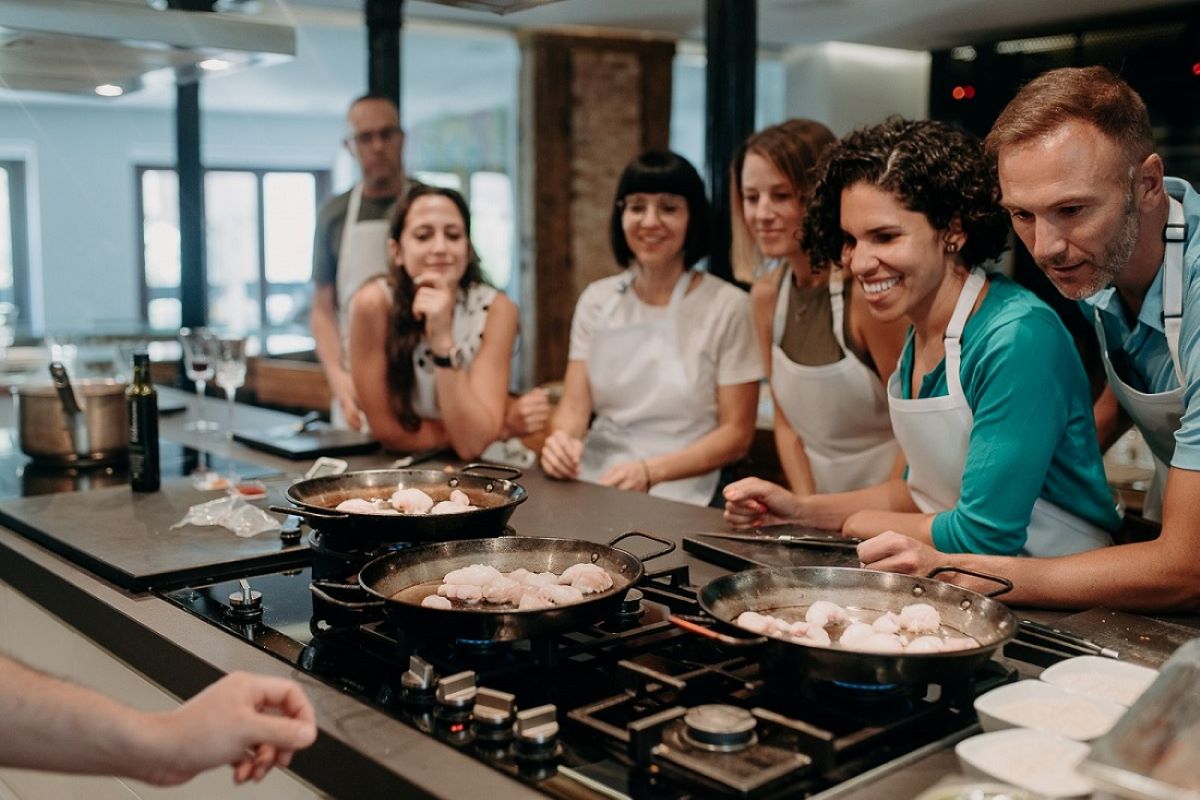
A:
<point x="231" y="512"/>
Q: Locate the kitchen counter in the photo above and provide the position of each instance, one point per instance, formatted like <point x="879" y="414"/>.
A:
<point x="362" y="752"/>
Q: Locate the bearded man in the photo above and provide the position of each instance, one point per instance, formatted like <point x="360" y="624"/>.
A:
<point x="1088" y="198"/>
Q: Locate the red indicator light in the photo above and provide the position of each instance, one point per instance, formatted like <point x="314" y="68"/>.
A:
<point x="969" y="92"/>
<point x="1196" y="68"/>
<point x="458" y="727"/>
<point x="958" y="93"/>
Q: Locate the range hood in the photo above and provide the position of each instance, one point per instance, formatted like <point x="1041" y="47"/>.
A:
<point x="76" y="46"/>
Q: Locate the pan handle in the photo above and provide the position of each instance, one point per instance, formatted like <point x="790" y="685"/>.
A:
<point x="702" y="630"/>
<point x="322" y="590"/>
<point x="1006" y="585"/>
<point x="308" y="514"/>
<point x="670" y="546"/>
<point x="476" y="466"/>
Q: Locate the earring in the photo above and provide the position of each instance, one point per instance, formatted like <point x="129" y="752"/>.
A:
<point x="951" y="248"/>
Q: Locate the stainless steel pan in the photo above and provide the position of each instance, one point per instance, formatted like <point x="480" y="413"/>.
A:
<point x="316" y="498"/>
<point x="788" y="592"/>
<point x="399" y="581"/>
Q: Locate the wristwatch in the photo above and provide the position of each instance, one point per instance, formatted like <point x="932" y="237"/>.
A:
<point x="452" y="360"/>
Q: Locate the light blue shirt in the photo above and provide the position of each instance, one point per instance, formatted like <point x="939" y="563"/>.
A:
<point x="1142" y="358"/>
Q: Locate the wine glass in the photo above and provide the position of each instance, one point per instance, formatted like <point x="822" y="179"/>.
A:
<point x="231" y="369"/>
<point x="199" y="362"/>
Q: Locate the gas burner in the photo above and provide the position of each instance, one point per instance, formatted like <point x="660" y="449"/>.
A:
<point x="245" y="605"/>
<point x="720" y="728"/>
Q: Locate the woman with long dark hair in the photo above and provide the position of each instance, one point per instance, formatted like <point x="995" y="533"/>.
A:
<point x="430" y="343"/>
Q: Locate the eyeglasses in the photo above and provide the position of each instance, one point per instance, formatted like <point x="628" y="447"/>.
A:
<point x="384" y="135"/>
<point x="665" y="205"/>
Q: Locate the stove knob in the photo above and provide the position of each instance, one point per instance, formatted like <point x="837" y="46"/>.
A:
<point x="457" y="691"/>
<point x="455" y="698"/>
<point x="246" y="605"/>
<point x="536" y="733"/>
<point x="493" y="717"/>
<point x="417" y="685"/>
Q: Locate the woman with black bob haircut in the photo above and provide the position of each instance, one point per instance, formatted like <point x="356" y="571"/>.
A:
<point x="431" y="342"/>
<point x="989" y="401"/>
<point x="663" y="355"/>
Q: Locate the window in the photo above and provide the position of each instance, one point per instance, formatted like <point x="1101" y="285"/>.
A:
<point x="14" y="253"/>
<point x="258" y="245"/>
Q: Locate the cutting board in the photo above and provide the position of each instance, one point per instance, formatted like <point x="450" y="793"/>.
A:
<point x="126" y="537"/>
<point x="1141" y="640"/>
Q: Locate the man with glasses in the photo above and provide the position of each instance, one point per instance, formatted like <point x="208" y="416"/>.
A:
<point x="351" y="240"/>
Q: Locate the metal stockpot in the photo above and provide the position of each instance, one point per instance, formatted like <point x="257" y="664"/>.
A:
<point x="51" y="434"/>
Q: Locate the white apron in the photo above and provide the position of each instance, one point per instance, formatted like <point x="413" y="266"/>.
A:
<point x="934" y="433"/>
<point x="362" y="254"/>
<point x="839" y="410"/>
<point x="1157" y="416"/>
<point x="645" y="405"/>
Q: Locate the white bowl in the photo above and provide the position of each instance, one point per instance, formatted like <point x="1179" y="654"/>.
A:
<point x="1104" y="678"/>
<point x="1038" y="705"/>
<point x="1037" y="761"/>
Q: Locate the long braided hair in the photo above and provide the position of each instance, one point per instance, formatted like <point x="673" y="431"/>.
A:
<point x="404" y="330"/>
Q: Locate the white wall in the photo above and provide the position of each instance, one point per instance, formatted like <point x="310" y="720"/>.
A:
<point x="847" y="86"/>
<point x="83" y="191"/>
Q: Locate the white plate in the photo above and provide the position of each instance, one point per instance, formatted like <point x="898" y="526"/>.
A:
<point x="1105" y="678"/>
<point x="1034" y="704"/>
<point x="1037" y="761"/>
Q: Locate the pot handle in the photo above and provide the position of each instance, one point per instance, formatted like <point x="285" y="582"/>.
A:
<point x="691" y="625"/>
<point x="476" y="466"/>
<point x="322" y="590"/>
<point x="308" y="515"/>
<point x="670" y="546"/>
<point x="1006" y="585"/>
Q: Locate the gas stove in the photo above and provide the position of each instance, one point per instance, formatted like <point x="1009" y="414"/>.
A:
<point x="631" y="707"/>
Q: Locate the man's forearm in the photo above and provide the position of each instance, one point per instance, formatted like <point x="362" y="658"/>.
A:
<point x="54" y="725"/>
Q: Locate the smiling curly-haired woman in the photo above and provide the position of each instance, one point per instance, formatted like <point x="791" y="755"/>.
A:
<point x="989" y="402"/>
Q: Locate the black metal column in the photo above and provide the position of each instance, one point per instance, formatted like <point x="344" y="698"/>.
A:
<point x="731" y="35"/>
<point x="384" y="20"/>
<point x="193" y="272"/>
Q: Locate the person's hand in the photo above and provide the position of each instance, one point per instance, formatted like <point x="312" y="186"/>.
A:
<point x="527" y="414"/>
<point x="895" y="552"/>
<point x="561" y="453"/>
<point x="252" y="722"/>
<point x="434" y="304"/>
<point x="632" y="476"/>
<point x="344" y="394"/>
<point x="863" y="524"/>
<point x="753" y="502"/>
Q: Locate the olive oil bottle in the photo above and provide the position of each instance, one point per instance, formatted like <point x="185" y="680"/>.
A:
<point x="142" y="402"/>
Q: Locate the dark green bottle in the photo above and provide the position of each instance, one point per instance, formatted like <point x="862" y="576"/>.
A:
<point x="142" y="402"/>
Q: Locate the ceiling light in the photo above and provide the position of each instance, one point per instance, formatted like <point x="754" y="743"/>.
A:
<point x="109" y="90"/>
<point x="214" y="64"/>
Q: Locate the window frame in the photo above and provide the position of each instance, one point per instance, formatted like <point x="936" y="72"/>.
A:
<point x="322" y="178"/>
<point x="18" y="213"/>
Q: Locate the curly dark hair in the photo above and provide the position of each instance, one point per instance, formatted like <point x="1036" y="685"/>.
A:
<point x="931" y="167"/>
<point x="405" y="330"/>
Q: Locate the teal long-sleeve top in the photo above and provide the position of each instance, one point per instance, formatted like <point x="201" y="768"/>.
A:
<point x="1033" y="434"/>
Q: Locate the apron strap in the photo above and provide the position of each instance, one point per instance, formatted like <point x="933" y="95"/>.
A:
<point x="837" y="303"/>
<point x="779" y="320"/>
<point x="958" y="320"/>
<point x="1174" y="234"/>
